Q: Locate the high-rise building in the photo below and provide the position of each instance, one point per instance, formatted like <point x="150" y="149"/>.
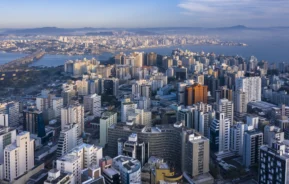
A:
<point x="237" y="138"/>
<point x="152" y="59"/>
<point x="94" y="86"/>
<point x="213" y="84"/>
<point x="251" y="86"/>
<point x="129" y="168"/>
<point x="202" y="118"/>
<point x="67" y="95"/>
<point x="185" y="117"/>
<point x="220" y="133"/>
<point x="68" y="139"/>
<point x="132" y="147"/>
<point x="224" y="92"/>
<point x="4" y="120"/>
<point x="272" y="134"/>
<point x="42" y="103"/>
<point x="138" y="59"/>
<point x="189" y="95"/>
<point x="227" y="107"/>
<point x="126" y="105"/>
<point x="119" y="58"/>
<point x="167" y="62"/>
<point x="253" y="140"/>
<point x="12" y="109"/>
<point x="57" y="104"/>
<point x="273" y="164"/>
<point x="111" y="175"/>
<point x="7" y="137"/>
<point x="33" y="122"/>
<point x="73" y="114"/>
<point x="92" y="103"/>
<point x="197" y="154"/>
<point x="89" y="154"/>
<point x="70" y="164"/>
<point x="180" y="72"/>
<point x="200" y="94"/>
<point x="82" y="87"/>
<point x="253" y="121"/>
<point x="18" y="157"/>
<point x="195" y="94"/>
<point x="110" y="86"/>
<point x="107" y="119"/>
<point x="240" y="103"/>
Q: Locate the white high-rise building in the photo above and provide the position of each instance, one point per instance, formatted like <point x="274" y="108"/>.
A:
<point x="68" y="139"/>
<point x="139" y="116"/>
<point x="4" y="120"/>
<point x="92" y="103"/>
<point x="129" y="168"/>
<point x="252" y="121"/>
<point x="70" y="164"/>
<point x="57" y="104"/>
<point x="82" y="87"/>
<point x="251" y="86"/>
<point x="42" y="103"/>
<point x="237" y="138"/>
<point x="220" y="133"/>
<point x="73" y="114"/>
<point x="196" y="154"/>
<point x="7" y="136"/>
<point x="18" y="157"/>
<point x="107" y="119"/>
<point x="203" y="115"/>
<point x="126" y="105"/>
<point x="89" y="154"/>
<point x="227" y="107"/>
<point x="253" y="140"/>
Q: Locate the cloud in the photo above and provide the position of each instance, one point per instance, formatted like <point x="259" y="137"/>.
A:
<point x="247" y="11"/>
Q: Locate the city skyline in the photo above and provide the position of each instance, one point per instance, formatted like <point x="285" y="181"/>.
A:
<point x="142" y="14"/>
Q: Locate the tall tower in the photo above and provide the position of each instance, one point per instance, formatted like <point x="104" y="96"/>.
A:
<point x="251" y="86"/>
<point x="73" y="114"/>
<point x="19" y="156"/>
<point x="126" y="105"/>
<point x="274" y="164"/>
<point x="227" y="107"/>
<point x="253" y="140"/>
<point x="240" y="103"/>
<point x="34" y="122"/>
<point x="220" y="133"/>
<point x="200" y="94"/>
<point x="92" y="103"/>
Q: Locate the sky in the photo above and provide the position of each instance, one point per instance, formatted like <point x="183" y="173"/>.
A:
<point x="142" y="13"/>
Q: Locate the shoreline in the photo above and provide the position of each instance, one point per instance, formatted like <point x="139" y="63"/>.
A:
<point x="127" y="50"/>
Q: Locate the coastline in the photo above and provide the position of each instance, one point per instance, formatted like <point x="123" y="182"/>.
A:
<point x="130" y="49"/>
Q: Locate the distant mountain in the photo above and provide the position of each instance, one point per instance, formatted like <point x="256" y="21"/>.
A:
<point x="238" y="27"/>
<point x="140" y="31"/>
<point x="106" y="33"/>
<point x="50" y="31"/>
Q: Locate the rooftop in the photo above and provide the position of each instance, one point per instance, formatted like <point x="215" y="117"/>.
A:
<point x="69" y="158"/>
<point x="110" y="172"/>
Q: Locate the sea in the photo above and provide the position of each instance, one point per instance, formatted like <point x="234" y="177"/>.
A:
<point x="271" y="47"/>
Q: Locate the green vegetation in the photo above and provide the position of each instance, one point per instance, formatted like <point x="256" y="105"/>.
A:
<point x="16" y="81"/>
